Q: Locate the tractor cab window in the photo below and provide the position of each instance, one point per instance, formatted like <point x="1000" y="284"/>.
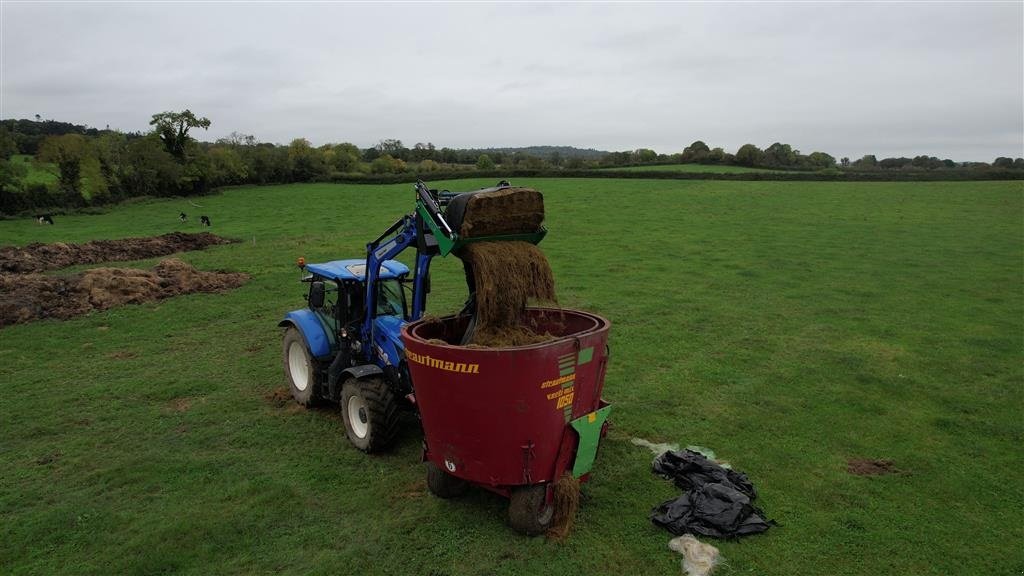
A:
<point x="391" y="299"/>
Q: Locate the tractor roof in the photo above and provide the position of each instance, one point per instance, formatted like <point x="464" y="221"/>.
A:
<point x="355" y="269"/>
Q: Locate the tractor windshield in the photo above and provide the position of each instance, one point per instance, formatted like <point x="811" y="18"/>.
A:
<point x="390" y="299"/>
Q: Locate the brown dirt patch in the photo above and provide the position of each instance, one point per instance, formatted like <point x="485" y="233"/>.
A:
<point x="279" y="397"/>
<point x="28" y="297"/>
<point x="868" y="467"/>
<point x="507" y="275"/>
<point x="180" y="404"/>
<point x="38" y="257"/>
<point x="48" y="458"/>
<point x="121" y="355"/>
<point x="506" y="211"/>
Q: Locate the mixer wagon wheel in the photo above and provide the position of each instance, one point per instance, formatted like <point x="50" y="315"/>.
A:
<point x="370" y="413"/>
<point x="528" y="510"/>
<point x="303" y="377"/>
<point x="443" y="484"/>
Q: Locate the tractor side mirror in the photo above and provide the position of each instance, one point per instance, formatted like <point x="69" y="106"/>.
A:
<point x="316" y="295"/>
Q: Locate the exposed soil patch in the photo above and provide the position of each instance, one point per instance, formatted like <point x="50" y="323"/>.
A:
<point x="38" y="257"/>
<point x="28" y="297"/>
<point x="48" y="458"/>
<point x="279" y="398"/>
<point x="180" y="404"/>
<point x="121" y="355"/>
<point x="868" y="467"/>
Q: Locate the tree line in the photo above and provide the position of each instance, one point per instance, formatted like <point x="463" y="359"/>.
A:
<point x="98" y="166"/>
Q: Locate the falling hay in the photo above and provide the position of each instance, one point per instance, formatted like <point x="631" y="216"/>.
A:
<point x="565" y="501"/>
<point x="506" y="277"/>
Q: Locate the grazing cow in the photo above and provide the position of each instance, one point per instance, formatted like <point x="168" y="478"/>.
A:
<point x="45" y="218"/>
<point x="204" y="220"/>
<point x="183" y="217"/>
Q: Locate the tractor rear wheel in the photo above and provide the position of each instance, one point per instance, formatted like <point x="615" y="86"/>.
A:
<point x="303" y="377"/>
<point x="442" y="484"/>
<point x="370" y="413"/>
<point x="528" y="510"/>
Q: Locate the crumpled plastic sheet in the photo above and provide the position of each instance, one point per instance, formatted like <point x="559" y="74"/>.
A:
<point x="717" y="502"/>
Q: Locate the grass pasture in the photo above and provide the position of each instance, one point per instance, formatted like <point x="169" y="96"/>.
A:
<point x="36" y="173"/>
<point x="790" y="326"/>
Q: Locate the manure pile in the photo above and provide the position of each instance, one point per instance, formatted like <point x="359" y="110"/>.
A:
<point x="28" y="297"/>
<point x="38" y="257"/>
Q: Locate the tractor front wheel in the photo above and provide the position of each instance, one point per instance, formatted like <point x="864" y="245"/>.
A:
<point x="442" y="484"/>
<point x="370" y="413"/>
<point x="529" y="512"/>
<point x="303" y="378"/>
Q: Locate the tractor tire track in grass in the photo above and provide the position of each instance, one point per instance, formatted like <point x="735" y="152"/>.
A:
<point x="29" y="297"/>
<point x="37" y="257"/>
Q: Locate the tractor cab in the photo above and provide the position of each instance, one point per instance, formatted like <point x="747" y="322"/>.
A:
<point x="337" y="296"/>
<point x="349" y="282"/>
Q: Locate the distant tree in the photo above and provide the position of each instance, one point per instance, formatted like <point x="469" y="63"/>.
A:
<point x="1003" y="162"/>
<point x="94" y="185"/>
<point x="749" y="155"/>
<point x="394" y="148"/>
<point x="386" y="164"/>
<point x="8" y="146"/>
<point x="344" y="158"/>
<point x="780" y="155"/>
<point x="173" y="127"/>
<point x="307" y="162"/>
<point x="715" y="156"/>
<point x="646" y="155"/>
<point x="428" y="165"/>
<point x="695" y="153"/>
<point x="575" y="163"/>
<point x="556" y="158"/>
<point x="237" y="139"/>
<point x="149" y="169"/>
<point x="893" y="163"/>
<point x="820" y="160"/>
<point x="38" y="118"/>
<point x="227" y="166"/>
<point x="11" y="175"/>
<point x="866" y="161"/>
<point x="67" y="152"/>
<point x="422" y="151"/>
<point x="1018" y="162"/>
<point x="109" y="149"/>
<point x="845" y="161"/>
<point x="484" y="162"/>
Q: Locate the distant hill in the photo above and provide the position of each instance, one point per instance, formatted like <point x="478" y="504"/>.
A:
<point x="545" y="152"/>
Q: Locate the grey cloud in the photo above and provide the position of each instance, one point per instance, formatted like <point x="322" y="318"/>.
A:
<point x="890" y="79"/>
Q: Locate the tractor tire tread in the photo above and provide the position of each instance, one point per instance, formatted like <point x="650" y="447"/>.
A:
<point x="383" y="414"/>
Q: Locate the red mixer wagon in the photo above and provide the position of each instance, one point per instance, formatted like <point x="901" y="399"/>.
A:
<point x="511" y="420"/>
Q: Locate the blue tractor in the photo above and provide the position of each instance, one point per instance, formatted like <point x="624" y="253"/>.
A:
<point x="345" y="345"/>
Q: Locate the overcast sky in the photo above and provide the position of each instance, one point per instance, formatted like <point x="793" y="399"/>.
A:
<point x="944" y="79"/>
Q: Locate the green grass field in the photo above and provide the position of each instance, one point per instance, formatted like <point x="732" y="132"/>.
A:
<point x="37" y="173"/>
<point x="788" y="326"/>
<point x="694" y="168"/>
